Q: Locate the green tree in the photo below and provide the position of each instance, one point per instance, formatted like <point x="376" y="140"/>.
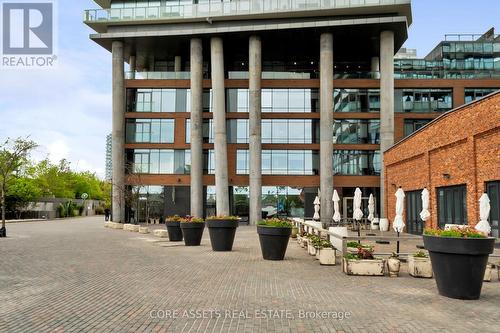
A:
<point x="21" y="193"/>
<point x="13" y="157"/>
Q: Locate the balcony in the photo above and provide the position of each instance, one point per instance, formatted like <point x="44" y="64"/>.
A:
<point x="239" y="9"/>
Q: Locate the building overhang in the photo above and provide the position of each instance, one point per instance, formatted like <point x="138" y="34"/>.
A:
<point x="102" y="20"/>
<point x="348" y="32"/>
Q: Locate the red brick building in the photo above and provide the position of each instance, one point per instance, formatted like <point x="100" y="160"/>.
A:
<point x="457" y="157"/>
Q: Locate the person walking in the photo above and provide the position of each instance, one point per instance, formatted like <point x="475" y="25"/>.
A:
<point x="107" y="214"/>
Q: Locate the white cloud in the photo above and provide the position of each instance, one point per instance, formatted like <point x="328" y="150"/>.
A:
<point x="67" y="110"/>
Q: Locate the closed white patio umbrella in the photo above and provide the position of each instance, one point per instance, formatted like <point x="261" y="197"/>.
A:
<point x="317" y="203"/>
<point x="399" y="224"/>
<point x="358" y="213"/>
<point x="425" y="214"/>
<point x="371" y="208"/>
<point x="336" y="207"/>
<point x="484" y="213"/>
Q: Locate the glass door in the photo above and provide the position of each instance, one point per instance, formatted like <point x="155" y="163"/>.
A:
<point x="452" y="205"/>
<point x="415" y="225"/>
<point x="493" y="190"/>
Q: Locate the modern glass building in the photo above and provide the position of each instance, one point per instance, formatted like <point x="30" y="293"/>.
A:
<point x="250" y="107"/>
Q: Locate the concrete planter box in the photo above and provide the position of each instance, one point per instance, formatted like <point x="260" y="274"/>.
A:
<point x="117" y="225"/>
<point x="373" y="267"/>
<point x="310" y="248"/>
<point x="487" y="273"/>
<point x="127" y="226"/>
<point x="327" y="256"/>
<point x="134" y="228"/>
<point x="143" y="230"/>
<point x="420" y="267"/>
<point x="160" y="233"/>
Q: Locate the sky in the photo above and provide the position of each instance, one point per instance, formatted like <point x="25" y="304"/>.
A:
<point x="67" y="109"/>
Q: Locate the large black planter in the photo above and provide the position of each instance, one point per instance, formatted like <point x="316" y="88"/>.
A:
<point x="193" y="232"/>
<point x="3" y="232"/>
<point x="222" y="234"/>
<point x="459" y="264"/>
<point x="174" y="231"/>
<point x="273" y="241"/>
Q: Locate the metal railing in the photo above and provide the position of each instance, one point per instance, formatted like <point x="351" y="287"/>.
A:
<point x="215" y="9"/>
<point x="313" y="228"/>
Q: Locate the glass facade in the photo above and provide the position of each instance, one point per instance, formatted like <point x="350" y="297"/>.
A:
<point x="208" y="131"/>
<point x="290" y="100"/>
<point x="356" y="163"/>
<point x="472" y="94"/>
<point x="150" y="130"/>
<point x="281" y="162"/>
<point x="413" y="125"/>
<point x="356" y="100"/>
<point x="354" y="131"/>
<point x="284" y="131"/>
<point x="209" y="162"/>
<point x="423" y="100"/>
<point x="159" y="161"/>
<point x="164" y="100"/>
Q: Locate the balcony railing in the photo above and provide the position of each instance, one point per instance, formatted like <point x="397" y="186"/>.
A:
<point x="218" y="9"/>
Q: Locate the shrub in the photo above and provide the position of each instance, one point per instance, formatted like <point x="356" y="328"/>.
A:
<point x="465" y="232"/>
<point x="363" y="254"/>
<point x="191" y="219"/>
<point x="223" y="218"/>
<point x="420" y="254"/>
<point x="276" y="223"/>
<point x="174" y="218"/>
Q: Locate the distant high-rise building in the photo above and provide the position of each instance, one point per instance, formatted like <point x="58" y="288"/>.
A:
<point x="109" y="159"/>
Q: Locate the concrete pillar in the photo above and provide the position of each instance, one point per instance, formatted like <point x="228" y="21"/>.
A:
<point x="132" y="65"/>
<point x="255" y="109"/>
<point x="326" y="126"/>
<point x="118" y="133"/>
<point x="219" y="119"/>
<point x="386" y="106"/>
<point x="177" y="64"/>
<point x="196" y="127"/>
<point x="375" y="67"/>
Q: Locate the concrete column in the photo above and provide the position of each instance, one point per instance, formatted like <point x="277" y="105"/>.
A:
<point x="326" y="126"/>
<point x="219" y="119"/>
<point x="177" y="64"/>
<point x="255" y="109"/>
<point x="118" y="133"/>
<point x="386" y="106"/>
<point x="375" y="67"/>
<point x="132" y="65"/>
<point x="196" y="127"/>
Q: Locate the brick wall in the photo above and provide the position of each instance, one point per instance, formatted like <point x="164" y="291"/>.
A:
<point x="464" y="143"/>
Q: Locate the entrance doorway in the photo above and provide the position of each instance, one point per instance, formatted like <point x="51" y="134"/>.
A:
<point x="415" y="225"/>
<point x="493" y="190"/>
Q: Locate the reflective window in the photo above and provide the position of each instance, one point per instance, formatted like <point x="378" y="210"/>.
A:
<point x="164" y="100"/>
<point x="290" y="131"/>
<point x="150" y="130"/>
<point x="159" y="161"/>
<point x="412" y="125"/>
<point x="353" y="131"/>
<point x="281" y="162"/>
<point x="356" y="163"/>
<point x="290" y="100"/>
<point x="356" y="100"/>
<point x="209" y="162"/>
<point x="423" y="100"/>
<point x="237" y="131"/>
<point x="477" y="93"/>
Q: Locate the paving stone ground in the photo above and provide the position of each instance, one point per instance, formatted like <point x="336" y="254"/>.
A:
<point x="77" y="276"/>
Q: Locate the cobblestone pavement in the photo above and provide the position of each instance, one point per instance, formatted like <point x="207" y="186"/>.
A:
<point x="77" y="276"/>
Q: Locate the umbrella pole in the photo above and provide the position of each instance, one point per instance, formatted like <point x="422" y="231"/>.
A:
<point x="397" y="250"/>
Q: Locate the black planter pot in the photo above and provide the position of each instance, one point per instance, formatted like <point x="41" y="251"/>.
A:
<point x="3" y="232"/>
<point x="459" y="264"/>
<point x="193" y="233"/>
<point x="273" y="242"/>
<point x="222" y="234"/>
<point x="174" y="231"/>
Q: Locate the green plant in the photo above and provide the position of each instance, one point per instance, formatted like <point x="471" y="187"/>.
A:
<point x="326" y="244"/>
<point x="276" y="223"/>
<point x="420" y="254"/>
<point x="363" y="254"/>
<point x="223" y="218"/>
<point x="174" y="218"/>
<point x="353" y="244"/>
<point x="463" y="232"/>
<point x="191" y="219"/>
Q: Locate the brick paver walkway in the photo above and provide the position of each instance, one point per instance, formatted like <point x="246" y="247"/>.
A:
<point x="77" y="276"/>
